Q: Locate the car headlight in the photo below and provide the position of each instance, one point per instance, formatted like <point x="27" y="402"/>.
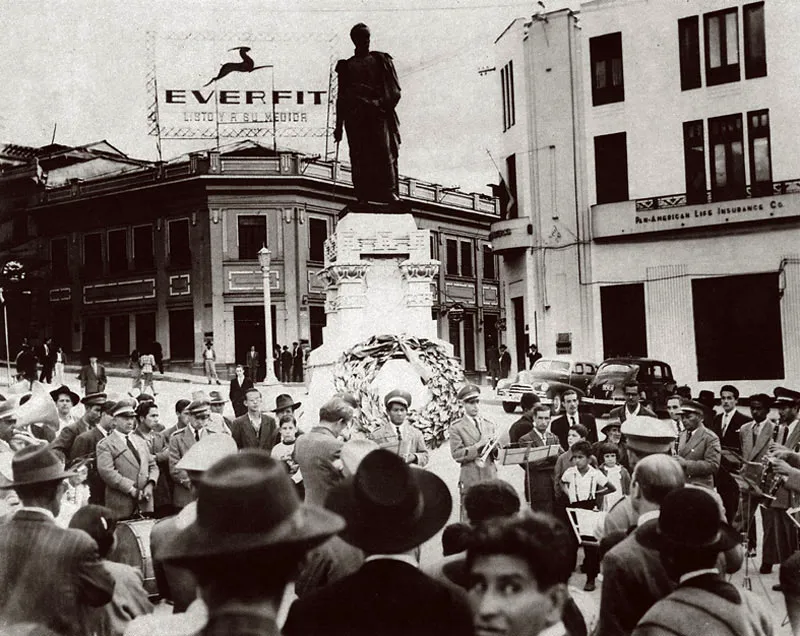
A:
<point x="543" y="386"/>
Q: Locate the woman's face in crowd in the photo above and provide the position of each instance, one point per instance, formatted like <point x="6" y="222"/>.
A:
<point x="506" y="599"/>
<point x="573" y="437"/>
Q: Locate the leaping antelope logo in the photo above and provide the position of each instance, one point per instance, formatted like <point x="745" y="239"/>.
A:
<point x="245" y="66"/>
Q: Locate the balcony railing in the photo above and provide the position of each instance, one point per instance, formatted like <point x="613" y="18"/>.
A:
<point x="667" y="201"/>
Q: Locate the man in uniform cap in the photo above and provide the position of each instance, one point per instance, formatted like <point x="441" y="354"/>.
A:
<point x="397" y="435"/>
<point x="699" y="448"/>
<point x="469" y="437"/>
<point x="198" y="415"/>
<point x="126" y="465"/>
<point x="93" y="403"/>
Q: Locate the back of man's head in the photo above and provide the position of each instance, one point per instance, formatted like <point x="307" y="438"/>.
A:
<point x="490" y="500"/>
<point x="528" y="400"/>
<point x="335" y="409"/>
<point x="657" y="476"/>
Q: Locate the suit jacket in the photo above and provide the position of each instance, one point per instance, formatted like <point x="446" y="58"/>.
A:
<point x="539" y="486"/>
<point x="731" y="440"/>
<point x="50" y="575"/>
<point x="62" y="445"/>
<point x="86" y="446"/>
<point x="464" y="438"/>
<point x="505" y="364"/>
<point x="328" y="562"/>
<point x="755" y="451"/>
<point x="634" y="579"/>
<point x="180" y="442"/>
<point x="522" y="426"/>
<point x="129" y="600"/>
<point x="412" y="441"/>
<point x="245" y="435"/>
<point x="121" y="471"/>
<point x="92" y="382"/>
<point x="236" y="394"/>
<point x="702" y="454"/>
<point x="621" y="412"/>
<point x="158" y="446"/>
<point x="383" y="598"/>
<point x="559" y="426"/>
<point x="316" y="453"/>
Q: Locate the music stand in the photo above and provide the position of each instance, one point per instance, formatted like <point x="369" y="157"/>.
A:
<point x="749" y="483"/>
<point x="527" y="455"/>
<point x="583" y="523"/>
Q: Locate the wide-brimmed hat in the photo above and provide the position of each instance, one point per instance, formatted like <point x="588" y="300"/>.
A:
<point x="36" y="465"/>
<point x="207" y="452"/>
<point x="8" y="408"/>
<point x="389" y="506"/>
<point x="284" y="400"/>
<point x="612" y="423"/>
<point x="65" y="390"/>
<point x="247" y="502"/>
<point x="215" y="397"/>
<point x="689" y="520"/>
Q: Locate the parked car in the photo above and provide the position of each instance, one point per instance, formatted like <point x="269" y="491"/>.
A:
<point x="607" y="388"/>
<point x="548" y="379"/>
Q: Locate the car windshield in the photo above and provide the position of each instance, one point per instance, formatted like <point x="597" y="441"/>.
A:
<point x="551" y="365"/>
<point x="615" y="369"/>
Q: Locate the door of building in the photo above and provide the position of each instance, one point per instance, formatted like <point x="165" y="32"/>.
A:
<point x="521" y="338"/>
<point x="248" y="329"/>
<point x="624" y="320"/>
<point x="145" y="330"/>
<point x="94" y="336"/>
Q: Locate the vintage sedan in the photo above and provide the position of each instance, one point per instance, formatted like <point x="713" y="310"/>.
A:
<point x="607" y="388"/>
<point x="548" y="379"/>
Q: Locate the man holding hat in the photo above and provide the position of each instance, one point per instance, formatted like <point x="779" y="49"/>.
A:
<point x="390" y="508"/>
<point x="699" y="448"/>
<point x="397" y="435"/>
<point x="85" y="446"/>
<point x="254" y="429"/>
<point x="198" y="415"/>
<point x="126" y="465"/>
<point x="65" y="399"/>
<point x="93" y="404"/>
<point x="48" y="575"/>
<point x="244" y="547"/>
<point x="689" y="537"/>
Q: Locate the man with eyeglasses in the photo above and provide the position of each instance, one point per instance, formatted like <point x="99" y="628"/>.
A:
<point x="198" y="413"/>
<point x="632" y="404"/>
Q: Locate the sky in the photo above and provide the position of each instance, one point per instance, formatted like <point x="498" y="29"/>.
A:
<point x="80" y="66"/>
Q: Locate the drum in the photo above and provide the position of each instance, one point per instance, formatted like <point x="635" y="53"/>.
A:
<point x="133" y="548"/>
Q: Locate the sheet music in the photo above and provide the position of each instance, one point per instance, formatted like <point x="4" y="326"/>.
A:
<point x="585" y="523"/>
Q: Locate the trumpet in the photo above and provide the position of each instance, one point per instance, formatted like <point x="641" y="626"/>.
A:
<point x="494" y="442"/>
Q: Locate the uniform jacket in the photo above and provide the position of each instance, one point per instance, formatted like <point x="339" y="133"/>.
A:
<point x="120" y="471"/>
<point x="180" y="442"/>
<point x="50" y="575"/>
<point x="709" y="604"/>
<point x="92" y="382"/>
<point x="245" y="435"/>
<point x="559" y="426"/>
<point x="464" y="438"/>
<point x="85" y="445"/>
<point x="66" y="438"/>
<point x="412" y="441"/>
<point x="784" y="497"/>
<point x="316" y="453"/>
<point x="702" y="454"/>
<point x="384" y="598"/>
<point x="236" y="394"/>
<point x="732" y="439"/>
<point x="755" y="451"/>
<point x="621" y="413"/>
<point x="633" y="581"/>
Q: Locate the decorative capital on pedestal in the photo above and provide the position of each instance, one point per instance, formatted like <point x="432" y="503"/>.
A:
<point x="419" y="270"/>
<point x="334" y="275"/>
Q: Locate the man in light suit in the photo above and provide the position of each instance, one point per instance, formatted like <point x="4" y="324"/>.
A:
<point x="469" y="437"/>
<point x="318" y="452"/>
<point x="93" y="376"/>
<point x="560" y="425"/>
<point x="397" y="435"/>
<point x="62" y="445"/>
<point x="254" y="429"/>
<point x="726" y="425"/>
<point x="632" y="404"/>
<point x="198" y="414"/>
<point x="126" y="466"/>
<point x="48" y="575"/>
<point x="699" y="449"/>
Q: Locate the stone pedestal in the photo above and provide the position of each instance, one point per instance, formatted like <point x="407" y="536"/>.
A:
<point x="379" y="276"/>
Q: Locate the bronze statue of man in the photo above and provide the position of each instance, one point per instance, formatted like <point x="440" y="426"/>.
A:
<point x="368" y="94"/>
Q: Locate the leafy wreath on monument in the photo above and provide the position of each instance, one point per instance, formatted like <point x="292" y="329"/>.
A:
<point x="358" y="367"/>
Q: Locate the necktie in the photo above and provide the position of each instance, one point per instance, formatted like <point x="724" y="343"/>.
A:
<point x="196" y="434"/>
<point x="688" y="437"/>
<point x="755" y="434"/>
<point x="133" y="450"/>
<point x="399" y="435"/>
<point x="574" y="421"/>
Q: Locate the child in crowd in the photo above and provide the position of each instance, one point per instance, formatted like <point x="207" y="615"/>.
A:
<point x="584" y="486"/>
<point x="284" y="451"/>
<point x="616" y="474"/>
<point x="76" y="495"/>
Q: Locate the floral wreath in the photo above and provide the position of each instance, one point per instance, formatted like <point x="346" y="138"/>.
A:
<point x="441" y="374"/>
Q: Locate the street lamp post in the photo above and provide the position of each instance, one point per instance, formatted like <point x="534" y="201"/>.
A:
<point x="264" y="256"/>
<point x="5" y="328"/>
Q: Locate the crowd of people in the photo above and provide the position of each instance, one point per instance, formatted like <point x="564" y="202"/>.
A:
<point x="248" y="525"/>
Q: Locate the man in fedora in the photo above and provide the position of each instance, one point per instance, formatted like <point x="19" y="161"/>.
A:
<point x="244" y="547"/>
<point x="699" y="448"/>
<point x="397" y="434"/>
<point x="93" y="404"/>
<point x="48" y="575"/>
<point x="390" y="509"/>
<point x="689" y="536"/>
<point x="85" y="446"/>
<point x="127" y="466"/>
<point x="254" y="429"/>
<point x="198" y="414"/>
<point x="65" y="399"/>
<point x="217" y="403"/>
<point x="285" y="405"/>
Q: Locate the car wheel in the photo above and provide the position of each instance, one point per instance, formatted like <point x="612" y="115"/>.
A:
<point x="509" y="407"/>
<point x="556" y="403"/>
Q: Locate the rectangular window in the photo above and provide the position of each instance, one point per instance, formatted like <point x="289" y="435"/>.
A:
<point x="93" y="254"/>
<point x="611" y="167"/>
<point x="722" y="46"/>
<point x="180" y="251"/>
<point x="624" y="332"/>
<point x="59" y="260"/>
<point x="117" y="251"/>
<point x="694" y="157"/>
<point x="317" y="235"/>
<point x="760" y="156"/>
<point x="252" y="235"/>
<point x="489" y="265"/>
<point x="143" y="257"/>
<point x="727" y="157"/>
<point x="755" y="50"/>
<point x="508" y="195"/>
<point x="606" y="62"/>
<point x="507" y="87"/>
<point x="466" y="259"/>
<point x="452" y="257"/>
<point x="434" y="238"/>
<point x="689" y="43"/>
<point x="454" y="334"/>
